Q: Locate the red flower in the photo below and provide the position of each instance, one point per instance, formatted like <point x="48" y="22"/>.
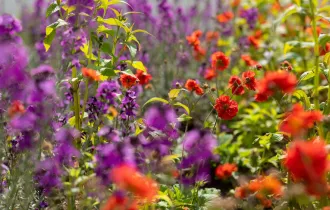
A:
<point x="224" y="171"/>
<point x="128" y="80"/>
<point x="91" y="74"/>
<point x="226" y="108"/>
<point x="193" y="86"/>
<point x="254" y="41"/>
<point x="119" y="202"/>
<point x="129" y="179"/>
<point x="16" y="108"/>
<point x="282" y="80"/>
<point x="298" y="121"/>
<point x="199" y="53"/>
<point x="220" y="61"/>
<point x="210" y="74"/>
<point x="324" y="50"/>
<point x="143" y="77"/>
<point x="225" y="17"/>
<point x="249" y="80"/>
<point x="307" y="161"/>
<point x="236" y="85"/>
<point x="248" y="60"/>
<point x="211" y="35"/>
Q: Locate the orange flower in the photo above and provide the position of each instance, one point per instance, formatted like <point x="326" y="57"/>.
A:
<point x="91" y="74"/>
<point x="193" y="86"/>
<point x="211" y="35"/>
<point x="16" y="108"/>
<point x="326" y="208"/>
<point x="262" y="187"/>
<point x="299" y="121"/>
<point x="224" y="171"/>
<point x="282" y="80"/>
<point x="143" y="77"/>
<point x="225" y="17"/>
<point x="248" y="60"/>
<point x="219" y="61"/>
<point x="128" y="178"/>
<point x="254" y="41"/>
<point x="210" y="74"/>
<point x="119" y="202"/>
<point x="128" y="80"/>
<point x="309" y="31"/>
<point x="193" y="39"/>
<point x="235" y="3"/>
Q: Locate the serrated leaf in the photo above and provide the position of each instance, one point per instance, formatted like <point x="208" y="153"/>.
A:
<point x="156" y="99"/>
<point x="173" y="94"/>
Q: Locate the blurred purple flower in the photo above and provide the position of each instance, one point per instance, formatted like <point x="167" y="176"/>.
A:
<point x="129" y="106"/>
<point x="251" y="16"/>
<point x="48" y="175"/>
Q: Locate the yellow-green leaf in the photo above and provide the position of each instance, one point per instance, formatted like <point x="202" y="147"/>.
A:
<point x="139" y="65"/>
<point x="156" y="99"/>
<point x="183" y="106"/>
<point x="173" y="94"/>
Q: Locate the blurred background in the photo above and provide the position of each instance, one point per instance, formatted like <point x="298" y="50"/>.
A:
<point x="14" y="6"/>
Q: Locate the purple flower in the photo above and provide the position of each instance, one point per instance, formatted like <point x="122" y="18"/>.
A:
<point x="162" y="119"/>
<point x="48" y="175"/>
<point x="108" y="91"/>
<point x="128" y="105"/>
<point x="9" y="26"/>
<point x="113" y="154"/>
<point x="251" y="16"/>
<point x="199" y="146"/>
<point x="94" y="108"/>
<point x="13" y="60"/>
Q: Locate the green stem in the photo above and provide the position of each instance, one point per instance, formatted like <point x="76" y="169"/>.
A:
<point x="316" y="63"/>
<point x="76" y="105"/>
<point x="85" y="100"/>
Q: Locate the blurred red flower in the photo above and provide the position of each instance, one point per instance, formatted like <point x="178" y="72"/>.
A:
<point x="128" y="178"/>
<point x="248" y="60"/>
<point x="226" y="108"/>
<point x="219" y="61"/>
<point x="210" y="74"/>
<point x="16" y="108"/>
<point x="224" y="171"/>
<point x="116" y="202"/>
<point x="144" y="77"/>
<point x="307" y="161"/>
<point x="297" y="121"/>
<point x="91" y="74"/>
<point x="282" y="80"/>
<point x="225" y="17"/>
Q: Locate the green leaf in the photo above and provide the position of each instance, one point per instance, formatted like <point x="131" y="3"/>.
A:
<point x="103" y="29"/>
<point x="173" y="94"/>
<point x="184" y="118"/>
<point x="302" y="96"/>
<point x="106" y="47"/>
<point x="132" y="49"/>
<point x="287" y="13"/>
<point x="183" y="106"/>
<point x="52" y="9"/>
<point x="51" y="32"/>
<point x="141" y="31"/>
<point x="155" y="99"/>
<point x="307" y="75"/>
<point x="113" y="22"/>
<point x="109" y="72"/>
<point x="87" y="53"/>
<point x="324" y="39"/>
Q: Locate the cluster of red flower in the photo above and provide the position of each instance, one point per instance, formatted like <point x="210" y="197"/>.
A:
<point x="237" y="85"/>
<point x="193" y="86"/>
